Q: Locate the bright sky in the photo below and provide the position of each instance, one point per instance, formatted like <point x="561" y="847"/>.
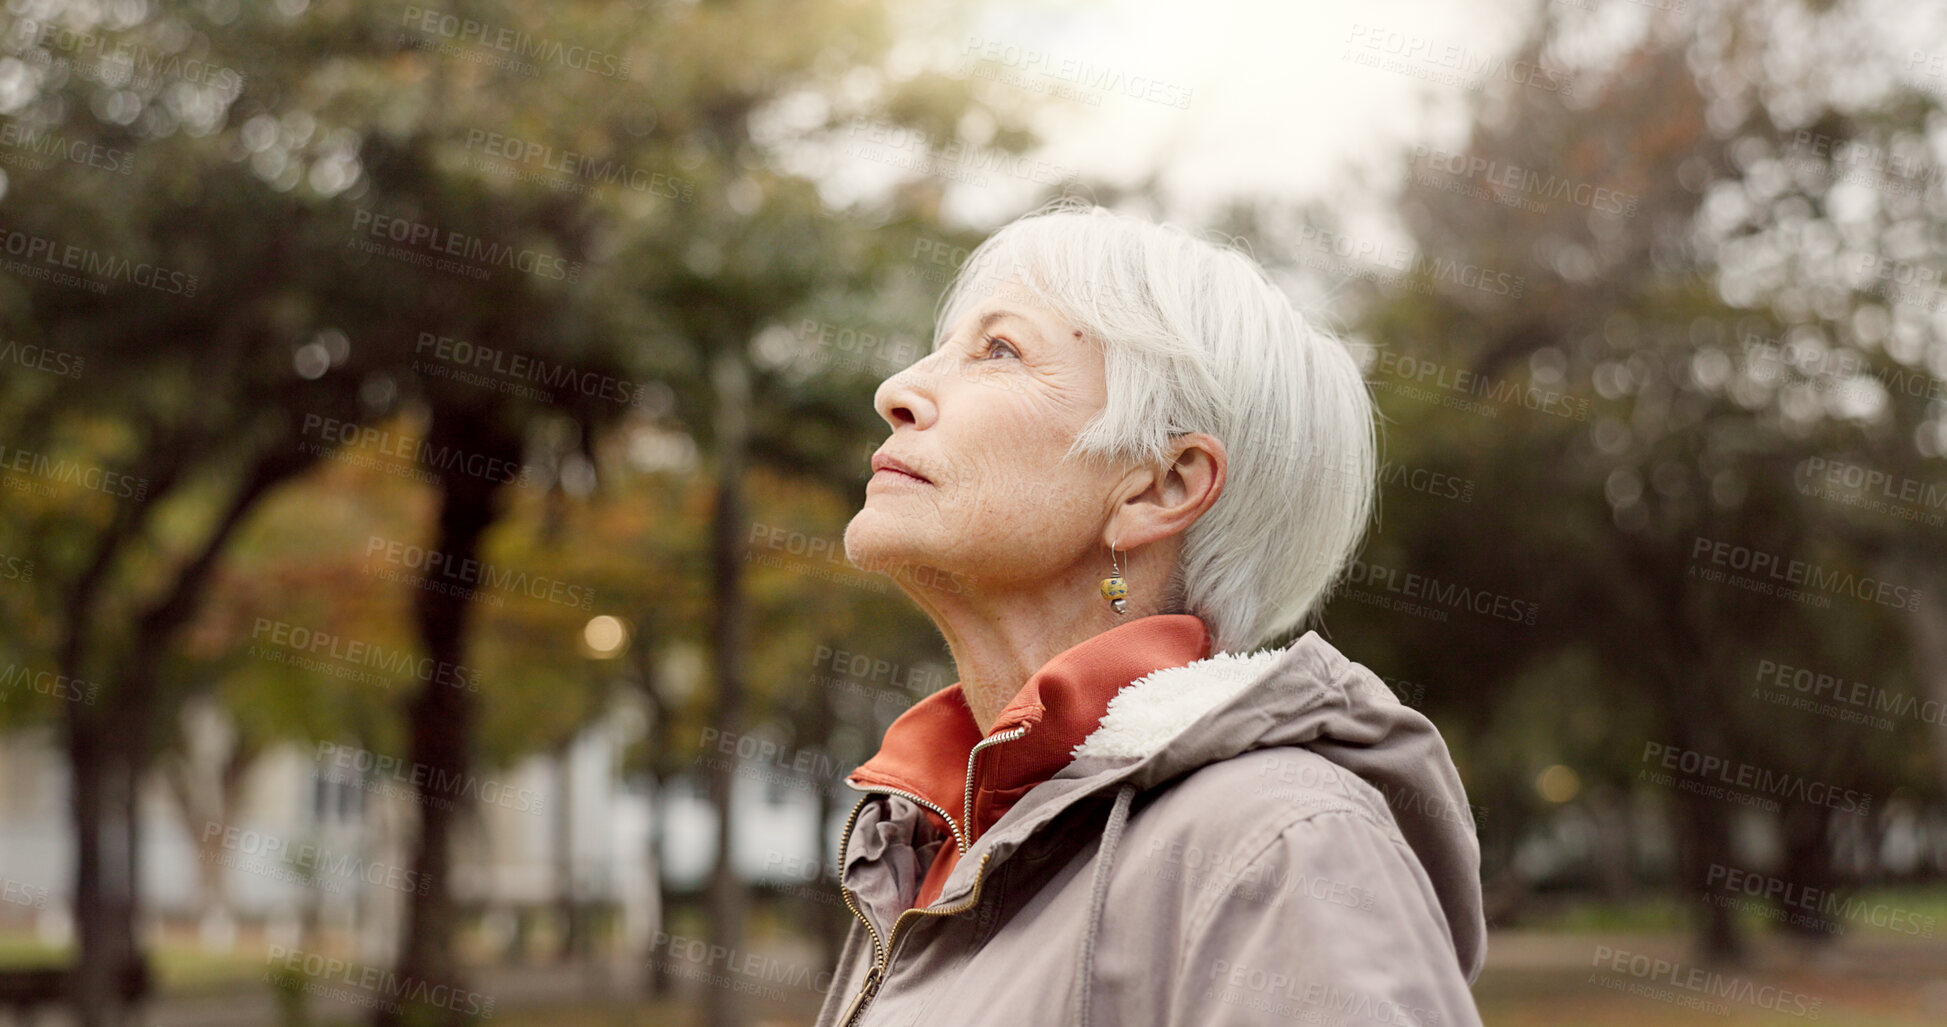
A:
<point x="1275" y="99"/>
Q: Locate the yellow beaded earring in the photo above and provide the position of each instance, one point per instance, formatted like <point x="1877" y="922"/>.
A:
<point x="1114" y="589"/>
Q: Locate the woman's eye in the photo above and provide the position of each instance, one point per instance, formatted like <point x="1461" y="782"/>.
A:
<point x="994" y="343"/>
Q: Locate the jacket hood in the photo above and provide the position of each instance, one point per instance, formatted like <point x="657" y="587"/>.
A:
<point x="1179" y="719"/>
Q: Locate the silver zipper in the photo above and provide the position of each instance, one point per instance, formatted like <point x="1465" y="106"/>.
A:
<point x="876" y="976"/>
<point x="959" y="840"/>
<point x="882" y="947"/>
<point x="966" y="804"/>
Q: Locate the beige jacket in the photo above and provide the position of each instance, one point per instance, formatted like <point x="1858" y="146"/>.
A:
<point x="1269" y="838"/>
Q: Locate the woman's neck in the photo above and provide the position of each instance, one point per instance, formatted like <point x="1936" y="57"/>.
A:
<point x="998" y="639"/>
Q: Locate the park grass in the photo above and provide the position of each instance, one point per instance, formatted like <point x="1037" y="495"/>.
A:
<point x="182" y="968"/>
<point x="23" y="952"/>
<point x="1538" y="979"/>
<point x="1662" y="913"/>
<point x="1547" y="972"/>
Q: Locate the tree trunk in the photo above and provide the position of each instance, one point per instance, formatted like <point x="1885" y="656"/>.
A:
<point x="109" y="739"/>
<point x="1807" y="864"/>
<point x="441" y="718"/>
<point x="104" y="903"/>
<point x="723" y="1007"/>
<point x="1615" y="856"/>
<point x="564" y="856"/>
<point x="1927" y="628"/>
<point x="828" y="923"/>
<point x="1704" y="828"/>
<point x="656" y="978"/>
<point x="1706" y="839"/>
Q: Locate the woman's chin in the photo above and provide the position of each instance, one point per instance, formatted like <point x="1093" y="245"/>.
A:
<point x="878" y="544"/>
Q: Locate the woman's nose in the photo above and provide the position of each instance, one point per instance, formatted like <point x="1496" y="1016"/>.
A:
<point x="906" y="398"/>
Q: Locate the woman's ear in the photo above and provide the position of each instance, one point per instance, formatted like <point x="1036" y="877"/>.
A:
<point x="1168" y="499"/>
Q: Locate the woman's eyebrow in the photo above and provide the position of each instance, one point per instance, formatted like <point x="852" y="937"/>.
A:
<point x="987" y="320"/>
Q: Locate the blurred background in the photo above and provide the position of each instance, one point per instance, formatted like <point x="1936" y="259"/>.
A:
<point x="427" y="434"/>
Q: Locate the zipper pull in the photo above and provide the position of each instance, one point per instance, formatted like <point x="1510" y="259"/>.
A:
<point x="865" y="995"/>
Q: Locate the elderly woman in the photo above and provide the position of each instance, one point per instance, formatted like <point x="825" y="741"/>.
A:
<point x="1126" y="465"/>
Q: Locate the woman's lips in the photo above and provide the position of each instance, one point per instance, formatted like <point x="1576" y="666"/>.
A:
<point x="884" y="464"/>
<point x="890" y="474"/>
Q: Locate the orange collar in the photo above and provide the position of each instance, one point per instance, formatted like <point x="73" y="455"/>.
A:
<point x="925" y="751"/>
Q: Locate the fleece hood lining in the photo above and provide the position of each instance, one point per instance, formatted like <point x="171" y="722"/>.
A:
<point x="1152" y="710"/>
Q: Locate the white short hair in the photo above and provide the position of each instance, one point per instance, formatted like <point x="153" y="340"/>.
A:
<point x="1196" y="338"/>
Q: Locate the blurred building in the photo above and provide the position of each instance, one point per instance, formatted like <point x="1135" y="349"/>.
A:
<point x="317" y="838"/>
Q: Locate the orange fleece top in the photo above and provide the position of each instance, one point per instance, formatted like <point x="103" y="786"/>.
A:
<point x="925" y="750"/>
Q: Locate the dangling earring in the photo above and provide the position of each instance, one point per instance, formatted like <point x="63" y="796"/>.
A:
<point x="1114" y="589"/>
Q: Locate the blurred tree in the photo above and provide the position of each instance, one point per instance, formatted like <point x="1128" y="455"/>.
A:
<point x="315" y="215"/>
<point x="1579" y="337"/>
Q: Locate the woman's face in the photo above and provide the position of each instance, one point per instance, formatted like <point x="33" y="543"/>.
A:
<point x="984" y="420"/>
